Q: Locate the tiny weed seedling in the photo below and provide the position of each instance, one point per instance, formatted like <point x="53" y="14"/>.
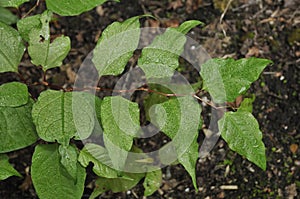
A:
<point x="60" y="117"/>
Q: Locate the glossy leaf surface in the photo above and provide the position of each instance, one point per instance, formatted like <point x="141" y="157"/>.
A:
<point x="72" y="7"/>
<point x="225" y="79"/>
<point x="16" y="127"/>
<point x="241" y="131"/>
<point x="11" y="49"/>
<point x="160" y="58"/>
<point x="116" y="46"/>
<point x="49" y="176"/>
<point x="13" y="94"/>
<point x="59" y="116"/>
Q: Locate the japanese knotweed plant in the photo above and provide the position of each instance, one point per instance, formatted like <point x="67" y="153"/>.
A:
<point x="62" y="116"/>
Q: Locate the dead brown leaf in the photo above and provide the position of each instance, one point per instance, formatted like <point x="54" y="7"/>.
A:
<point x="100" y="11"/>
<point x="238" y="100"/>
<point x="71" y="74"/>
<point x="192" y="5"/>
<point x="79" y="37"/>
<point x="291" y="191"/>
<point x="153" y="23"/>
<point x="221" y="4"/>
<point x="98" y="34"/>
<point x="175" y="4"/>
<point x="253" y="51"/>
<point x="290" y="3"/>
<point x="294" y="148"/>
<point x="170" y="184"/>
<point x="27" y="183"/>
<point x="171" y="23"/>
<point x="267" y="20"/>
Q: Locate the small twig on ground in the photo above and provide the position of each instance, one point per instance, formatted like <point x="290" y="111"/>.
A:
<point x="32" y="9"/>
<point x="223" y="15"/>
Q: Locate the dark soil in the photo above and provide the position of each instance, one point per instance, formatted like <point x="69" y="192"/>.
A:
<point x="260" y="28"/>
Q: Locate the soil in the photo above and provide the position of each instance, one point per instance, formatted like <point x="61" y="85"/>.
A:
<point x="260" y="28"/>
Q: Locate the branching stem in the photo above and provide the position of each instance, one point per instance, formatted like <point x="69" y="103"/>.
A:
<point x="195" y="95"/>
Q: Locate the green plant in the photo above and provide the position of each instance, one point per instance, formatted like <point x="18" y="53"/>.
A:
<point x="62" y="116"/>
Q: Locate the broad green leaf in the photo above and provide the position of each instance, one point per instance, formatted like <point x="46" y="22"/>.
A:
<point x="69" y="159"/>
<point x="49" y="55"/>
<point x="160" y="58"/>
<point x="7" y="17"/>
<point x="62" y="115"/>
<point x="50" y="178"/>
<point x="72" y="7"/>
<point x="246" y="104"/>
<point x="152" y="182"/>
<point x="115" y="46"/>
<point x="189" y="160"/>
<point x="41" y="51"/>
<point x="37" y="32"/>
<point x="27" y="24"/>
<point x="179" y="119"/>
<point x="100" y="159"/>
<point x="120" y="120"/>
<point x="177" y="116"/>
<point x="11" y="49"/>
<point x="116" y="184"/>
<point x="12" y="3"/>
<point x="13" y="94"/>
<point x="16" y="127"/>
<point x="6" y="169"/>
<point x="225" y="79"/>
<point x="241" y="131"/>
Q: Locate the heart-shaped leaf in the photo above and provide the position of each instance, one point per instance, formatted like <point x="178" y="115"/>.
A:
<point x="68" y="115"/>
<point x="49" y="176"/>
<point x="36" y="31"/>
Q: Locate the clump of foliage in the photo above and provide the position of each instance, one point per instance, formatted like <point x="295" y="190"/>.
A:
<point x="59" y="117"/>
